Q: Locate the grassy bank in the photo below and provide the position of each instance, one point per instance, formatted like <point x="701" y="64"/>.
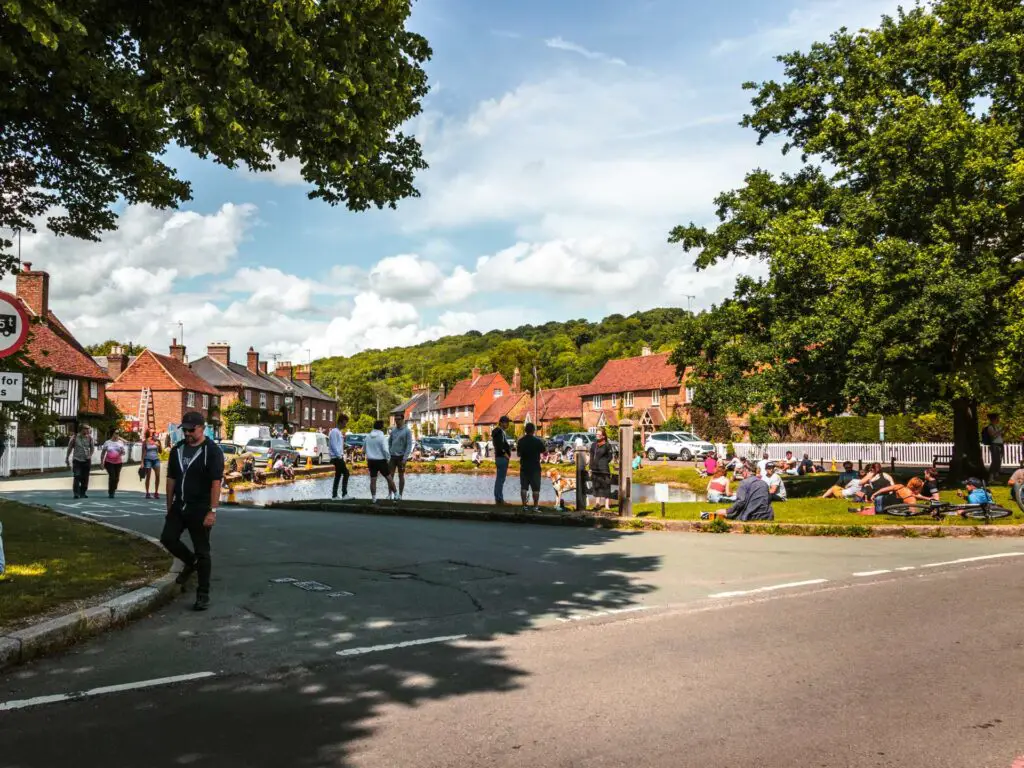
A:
<point x="55" y="562"/>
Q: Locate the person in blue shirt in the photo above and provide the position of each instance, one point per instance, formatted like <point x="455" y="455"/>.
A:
<point x="977" y="493"/>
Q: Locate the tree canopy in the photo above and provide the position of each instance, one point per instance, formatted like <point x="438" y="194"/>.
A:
<point x="96" y="92"/>
<point x="893" y="254"/>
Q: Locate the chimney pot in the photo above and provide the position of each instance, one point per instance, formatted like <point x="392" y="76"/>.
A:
<point x="219" y="352"/>
<point x="177" y="350"/>
<point x="116" y="362"/>
<point x="263" y="367"/>
<point x="475" y="373"/>
<point x="34" y="289"/>
<point x="252" y="360"/>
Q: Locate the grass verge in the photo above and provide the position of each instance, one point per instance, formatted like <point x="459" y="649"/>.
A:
<point x="56" y="562"/>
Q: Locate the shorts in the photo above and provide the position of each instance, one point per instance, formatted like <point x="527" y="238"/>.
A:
<point x="529" y="479"/>
<point x="151" y="463"/>
<point x="378" y="467"/>
<point x="397" y="462"/>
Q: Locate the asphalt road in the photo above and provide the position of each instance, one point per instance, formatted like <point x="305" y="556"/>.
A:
<point x="543" y="647"/>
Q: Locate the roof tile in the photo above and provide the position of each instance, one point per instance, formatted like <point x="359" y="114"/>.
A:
<point x="633" y="374"/>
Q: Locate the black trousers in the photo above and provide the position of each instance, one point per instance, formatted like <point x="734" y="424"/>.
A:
<point x="174" y="526"/>
<point x="80" y="473"/>
<point x="113" y="476"/>
<point x="340" y="473"/>
<point x="996" y="452"/>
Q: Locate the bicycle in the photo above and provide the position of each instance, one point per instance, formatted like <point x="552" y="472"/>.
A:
<point x="941" y="509"/>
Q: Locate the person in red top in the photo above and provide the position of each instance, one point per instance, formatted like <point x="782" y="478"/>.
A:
<point x="710" y="463"/>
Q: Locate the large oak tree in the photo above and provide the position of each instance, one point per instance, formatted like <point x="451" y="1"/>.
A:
<point x="96" y="90"/>
<point x="894" y="254"/>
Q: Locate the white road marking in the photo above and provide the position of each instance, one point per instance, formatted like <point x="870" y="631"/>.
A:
<point x="906" y="568"/>
<point x="973" y="559"/>
<point x="759" y="590"/>
<point x="872" y="573"/>
<point x="40" y="700"/>
<point x="392" y="646"/>
<point x="608" y="612"/>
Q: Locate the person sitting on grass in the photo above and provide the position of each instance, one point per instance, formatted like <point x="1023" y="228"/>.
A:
<point x="850" y="490"/>
<point x="752" y="500"/>
<point x="773" y="478"/>
<point x="930" y="491"/>
<point x="976" y="492"/>
<point x="790" y="465"/>
<point x="718" y="488"/>
<point x="891" y="495"/>
<point x="638" y="461"/>
<point x="710" y="463"/>
<point x="283" y="469"/>
<point x="1016" y="483"/>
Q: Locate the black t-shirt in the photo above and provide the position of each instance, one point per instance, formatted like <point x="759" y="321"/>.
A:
<point x="194" y="470"/>
<point x="529" y="448"/>
<point x="930" y="489"/>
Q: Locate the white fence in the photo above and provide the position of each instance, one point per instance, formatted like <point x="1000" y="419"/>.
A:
<point x="40" y="459"/>
<point x="905" y="454"/>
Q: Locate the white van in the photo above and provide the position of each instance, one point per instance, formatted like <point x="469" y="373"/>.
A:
<point x="312" y="445"/>
<point x="246" y="432"/>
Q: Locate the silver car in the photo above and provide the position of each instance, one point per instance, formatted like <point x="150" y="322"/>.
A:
<point x="677" y="445"/>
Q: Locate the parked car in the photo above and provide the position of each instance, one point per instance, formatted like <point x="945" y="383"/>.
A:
<point x="432" y="447"/>
<point x="312" y="445"/>
<point x="228" y="449"/>
<point x="677" y="445"/>
<point x="453" y="446"/>
<point x="243" y="433"/>
<point x="557" y="443"/>
<point x="261" y="448"/>
<point x="355" y="440"/>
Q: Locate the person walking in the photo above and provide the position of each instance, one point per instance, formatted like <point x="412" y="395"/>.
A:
<point x="336" y="448"/>
<point x="601" y="469"/>
<point x="112" y="456"/>
<point x="79" y="459"/>
<point x="992" y="436"/>
<point x="502" y="454"/>
<point x="529" y="450"/>
<point x="195" y="471"/>
<point x="400" y="448"/>
<point x="151" y="464"/>
<point x="378" y="456"/>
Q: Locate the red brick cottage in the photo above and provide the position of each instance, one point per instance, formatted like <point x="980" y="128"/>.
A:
<point x="462" y="408"/>
<point x="550" y="405"/>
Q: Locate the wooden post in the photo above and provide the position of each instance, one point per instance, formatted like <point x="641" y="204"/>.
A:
<point x="625" y="468"/>
<point x="581" y="484"/>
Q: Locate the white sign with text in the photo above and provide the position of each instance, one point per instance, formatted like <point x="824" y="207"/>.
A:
<point x="12" y="387"/>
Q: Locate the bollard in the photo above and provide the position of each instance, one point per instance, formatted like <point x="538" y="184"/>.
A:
<point x="309" y="462"/>
<point x="581" y="482"/>
<point x="231" y="496"/>
<point x="834" y="467"/>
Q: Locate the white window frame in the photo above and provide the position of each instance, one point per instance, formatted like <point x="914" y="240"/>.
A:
<point x="305" y="413"/>
<point x="655" y="397"/>
<point x="332" y="416"/>
<point x="190" y="399"/>
<point x="248" y="397"/>
<point x="323" y="414"/>
<point x="277" y="402"/>
<point x="596" y="403"/>
<point x="627" y="399"/>
<point x="615" y="399"/>
<point x="689" y="394"/>
<point x="94" y="390"/>
<point x="206" y="402"/>
<point x="497" y="393"/>
<point x="263" y="400"/>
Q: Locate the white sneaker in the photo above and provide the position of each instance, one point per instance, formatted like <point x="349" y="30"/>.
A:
<point x="536" y="509"/>
<point x="398" y="497"/>
<point x="345" y="496"/>
<point x="374" y="501"/>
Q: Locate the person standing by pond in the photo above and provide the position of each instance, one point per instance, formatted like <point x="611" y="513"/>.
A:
<point x="378" y="456"/>
<point x="79" y="458"/>
<point x="601" y="469"/>
<point x="502" y="454"/>
<point x="529" y="450"/>
<point x="112" y="456"/>
<point x="151" y="464"/>
<point x="400" y="447"/>
<point x="336" y="447"/>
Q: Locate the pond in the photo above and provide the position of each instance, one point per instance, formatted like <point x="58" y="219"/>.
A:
<point x="439" y="487"/>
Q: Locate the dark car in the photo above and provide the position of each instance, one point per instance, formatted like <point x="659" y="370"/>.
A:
<point x="355" y="440"/>
<point x="262" y="448"/>
<point x="557" y="443"/>
<point x="228" y="449"/>
<point x="432" y="446"/>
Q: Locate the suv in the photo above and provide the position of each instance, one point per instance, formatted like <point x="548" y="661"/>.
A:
<point x="677" y="445"/>
<point x="262" y="448"/>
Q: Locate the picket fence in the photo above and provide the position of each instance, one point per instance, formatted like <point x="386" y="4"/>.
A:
<point x="39" y="459"/>
<point x="904" y="454"/>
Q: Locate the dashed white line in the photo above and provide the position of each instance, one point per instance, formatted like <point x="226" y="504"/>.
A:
<point x="759" y="590"/>
<point x="906" y="568"/>
<point x="56" y="698"/>
<point x="392" y="646"/>
<point x="973" y="559"/>
<point x="607" y="612"/>
<point x="873" y="573"/>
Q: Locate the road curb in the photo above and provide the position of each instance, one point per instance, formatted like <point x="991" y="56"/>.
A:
<point x="56" y="634"/>
<point x="507" y="514"/>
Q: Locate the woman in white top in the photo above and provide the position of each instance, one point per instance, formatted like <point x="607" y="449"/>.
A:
<point x="378" y="459"/>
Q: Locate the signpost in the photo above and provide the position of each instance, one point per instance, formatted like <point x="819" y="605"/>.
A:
<point x="661" y="494"/>
<point x="14" y="323"/>
<point x="12" y="387"/>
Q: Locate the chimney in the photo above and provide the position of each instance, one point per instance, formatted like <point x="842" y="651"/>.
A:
<point x="219" y="352"/>
<point x="117" y="361"/>
<point x="304" y="373"/>
<point x="475" y="374"/>
<point x="177" y="351"/>
<point x="517" y="380"/>
<point x="283" y="369"/>
<point x="252" y="360"/>
<point x="263" y="367"/>
<point x="34" y="289"/>
<point x="646" y="351"/>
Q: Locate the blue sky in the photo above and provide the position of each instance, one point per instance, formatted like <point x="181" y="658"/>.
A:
<point x="564" y="140"/>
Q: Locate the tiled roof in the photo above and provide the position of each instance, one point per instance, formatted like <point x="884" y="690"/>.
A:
<point x="160" y="372"/>
<point x="102" y="362"/>
<point x="237" y="375"/>
<point x="510" y="405"/>
<point x="50" y="345"/>
<point x="418" y="404"/>
<point x="305" y="389"/>
<point x="467" y="391"/>
<point x="633" y="374"/>
<point x="611" y="417"/>
<point x="561" y="403"/>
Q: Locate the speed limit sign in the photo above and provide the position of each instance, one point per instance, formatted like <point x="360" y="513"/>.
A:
<point x="13" y="324"/>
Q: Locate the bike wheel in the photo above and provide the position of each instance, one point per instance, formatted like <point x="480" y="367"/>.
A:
<point x="907" y="510"/>
<point x="992" y="512"/>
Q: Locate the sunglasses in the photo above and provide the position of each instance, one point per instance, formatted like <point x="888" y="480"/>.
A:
<point x="192" y="429"/>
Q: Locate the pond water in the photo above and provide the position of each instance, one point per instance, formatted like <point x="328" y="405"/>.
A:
<point x="440" y="487"/>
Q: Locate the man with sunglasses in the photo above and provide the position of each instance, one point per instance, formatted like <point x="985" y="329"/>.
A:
<point x="195" y="470"/>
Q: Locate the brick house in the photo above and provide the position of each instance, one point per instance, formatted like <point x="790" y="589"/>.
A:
<point x="249" y="383"/>
<point x="75" y="384"/>
<point x="420" y="410"/>
<point x="515" y="405"/>
<point x="462" y="408"/>
<point x="646" y="389"/>
<point x="562" y="404"/>
<point x="311" y="408"/>
<point x="158" y="389"/>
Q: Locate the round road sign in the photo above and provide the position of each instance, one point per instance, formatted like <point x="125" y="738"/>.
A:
<point x="13" y="324"/>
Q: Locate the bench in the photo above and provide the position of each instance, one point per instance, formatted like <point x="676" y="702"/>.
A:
<point x="942" y="459"/>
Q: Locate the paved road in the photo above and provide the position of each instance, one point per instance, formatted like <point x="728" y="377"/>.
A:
<point x="575" y="648"/>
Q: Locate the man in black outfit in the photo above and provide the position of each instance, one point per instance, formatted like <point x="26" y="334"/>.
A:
<point x="195" y="470"/>
<point x="502" y="454"/>
<point x="529" y="449"/>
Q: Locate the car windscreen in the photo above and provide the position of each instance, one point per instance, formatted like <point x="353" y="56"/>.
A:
<point x="258" y="444"/>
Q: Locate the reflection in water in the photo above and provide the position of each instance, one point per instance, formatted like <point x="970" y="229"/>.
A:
<point x="441" y="487"/>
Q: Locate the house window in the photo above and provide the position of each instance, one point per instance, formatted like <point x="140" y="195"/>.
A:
<point x="332" y="415"/>
<point x="305" y="413"/>
<point x="277" y="402"/>
<point x="596" y="402"/>
<point x="323" y="414"/>
<point x="615" y="400"/>
<point x="206" y="401"/>
<point x="190" y="400"/>
<point x="655" y="397"/>
<point x="263" y="399"/>
<point x="94" y="390"/>
<point x="248" y="397"/>
<point x="627" y="399"/>
<point x="497" y="393"/>
<point x="689" y="394"/>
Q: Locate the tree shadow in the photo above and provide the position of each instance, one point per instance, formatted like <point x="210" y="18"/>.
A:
<point x="325" y="711"/>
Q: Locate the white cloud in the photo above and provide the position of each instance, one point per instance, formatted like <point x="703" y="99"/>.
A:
<point x="405" y="276"/>
<point x="561" y="44"/>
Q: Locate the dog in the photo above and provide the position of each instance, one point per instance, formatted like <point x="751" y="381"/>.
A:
<point x="561" y="483"/>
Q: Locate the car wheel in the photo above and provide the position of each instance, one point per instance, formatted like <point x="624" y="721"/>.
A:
<point x="652" y="454"/>
<point x="685" y="455"/>
<point x="453" y="451"/>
